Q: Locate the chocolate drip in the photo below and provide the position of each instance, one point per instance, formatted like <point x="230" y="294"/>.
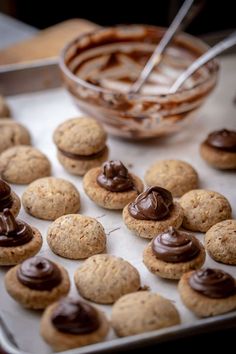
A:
<point x="115" y="177"/>
<point x="75" y="317"/>
<point x="5" y="196"/>
<point x="153" y="204"/>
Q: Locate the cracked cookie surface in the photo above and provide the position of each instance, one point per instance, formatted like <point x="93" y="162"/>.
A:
<point x="13" y="133"/>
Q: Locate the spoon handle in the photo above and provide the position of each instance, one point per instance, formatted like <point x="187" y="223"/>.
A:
<point x="156" y="56"/>
<point x="210" y="54"/>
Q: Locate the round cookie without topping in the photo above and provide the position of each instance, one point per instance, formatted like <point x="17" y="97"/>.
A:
<point x="203" y="209"/>
<point x="13" y="133"/>
<point x="176" y="176"/>
<point x="76" y="236"/>
<point x="81" y="144"/>
<point x="216" y="292"/>
<point x="49" y="198"/>
<point x="141" y="312"/>
<point x="37" y="282"/>
<point x="4" y="108"/>
<point x="23" y="164"/>
<point x="112" y="198"/>
<point x="173" y="253"/>
<point x="105" y="278"/>
<point x="78" y="325"/>
<point x="220" y="242"/>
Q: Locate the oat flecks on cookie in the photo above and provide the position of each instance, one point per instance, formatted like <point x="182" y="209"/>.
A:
<point x="81" y="144"/>
<point x="141" y="312"/>
<point x="71" y="323"/>
<point x="177" y="176"/>
<point x="220" y="242"/>
<point x="50" y="197"/>
<point x="76" y="236"/>
<point x="203" y="209"/>
<point x="105" y="278"/>
<point x="23" y="164"/>
<point x="13" y="133"/>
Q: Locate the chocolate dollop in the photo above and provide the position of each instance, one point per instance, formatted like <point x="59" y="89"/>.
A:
<point x="75" y="317"/>
<point x="13" y="232"/>
<point x="115" y="177"/>
<point x="153" y="204"/>
<point x="5" y="196"/>
<point x="175" y="246"/>
<point x="213" y="283"/>
<point x="222" y="139"/>
<point x="39" y="273"/>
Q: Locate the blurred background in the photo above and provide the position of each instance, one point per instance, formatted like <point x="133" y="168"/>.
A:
<point x="216" y="16"/>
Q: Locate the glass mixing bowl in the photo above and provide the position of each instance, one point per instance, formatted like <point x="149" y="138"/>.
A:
<point x="99" y="68"/>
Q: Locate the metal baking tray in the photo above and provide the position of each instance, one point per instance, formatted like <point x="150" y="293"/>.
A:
<point x="41" y="112"/>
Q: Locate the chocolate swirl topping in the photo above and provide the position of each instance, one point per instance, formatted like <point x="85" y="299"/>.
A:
<point x="39" y="273"/>
<point x="175" y="246"/>
<point x="5" y="196"/>
<point x="13" y="232"/>
<point x="115" y="177"/>
<point x="75" y="317"/>
<point x="153" y="204"/>
<point x="213" y="283"/>
<point x="222" y="139"/>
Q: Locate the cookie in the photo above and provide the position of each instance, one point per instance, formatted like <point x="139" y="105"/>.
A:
<point x="176" y="176"/>
<point x="9" y="199"/>
<point x="104" y="278"/>
<point x="208" y="292"/>
<point x="219" y="149"/>
<point x="23" y="164"/>
<point x="13" y="133"/>
<point x="203" y="209"/>
<point x="173" y="253"/>
<point x="141" y="312"/>
<point x="18" y="240"/>
<point x="71" y="323"/>
<point x="81" y="145"/>
<point x="76" y="236"/>
<point x="220" y="242"/>
<point x="152" y="212"/>
<point x="49" y="198"/>
<point x="37" y="282"/>
<point x="112" y="186"/>
<point x="4" y="108"/>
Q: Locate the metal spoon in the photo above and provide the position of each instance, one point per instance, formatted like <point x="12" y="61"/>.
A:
<point x="206" y="57"/>
<point x="157" y="54"/>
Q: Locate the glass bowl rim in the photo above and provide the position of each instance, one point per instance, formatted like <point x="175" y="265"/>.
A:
<point x="63" y="67"/>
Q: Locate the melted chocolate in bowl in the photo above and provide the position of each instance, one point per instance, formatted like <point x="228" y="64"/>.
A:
<point x="99" y="69"/>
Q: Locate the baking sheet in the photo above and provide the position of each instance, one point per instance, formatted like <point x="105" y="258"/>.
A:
<point x="41" y="113"/>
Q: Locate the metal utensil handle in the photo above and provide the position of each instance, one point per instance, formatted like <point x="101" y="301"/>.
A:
<point x="161" y="46"/>
<point x="210" y="54"/>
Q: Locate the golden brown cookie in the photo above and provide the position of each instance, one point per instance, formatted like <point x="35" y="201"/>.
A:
<point x="219" y="149"/>
<point x="49" y="198"/>
<point x="18" y="240"/>
<point x="13" y="133"/>
<point x="141" y="312"/>
<point x="69" y="324"/>
<point x="9" y="199"/>
<point x="81" y="144"/>
<point x="203" y="209"/>
<point x="220" y="242"/>
<point x="105" y="278"/>
<point x="76" y="236"/>
<point x="177" y="176"/>
<point x="173" y="253"/>
<point x="37" y="282"/>
<point x="208" y="292"/>
<point x="152" y="212"/>
<point x="23" y="164"/>
<point x="4" y="108"/>
<point x="117" y="188"/>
